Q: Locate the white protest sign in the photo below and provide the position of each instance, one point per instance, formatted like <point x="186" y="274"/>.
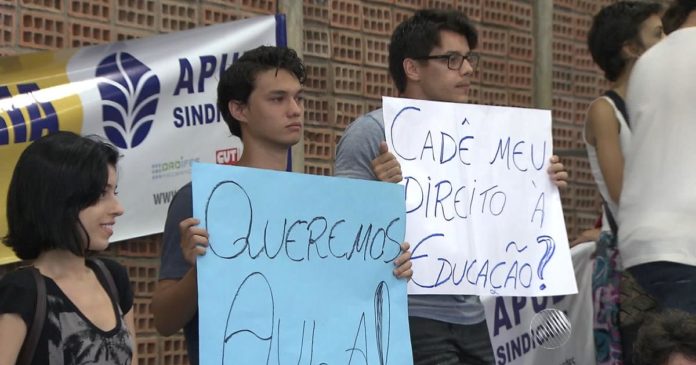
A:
<point x="483" y="216"/>
<point x="515" y="338"/>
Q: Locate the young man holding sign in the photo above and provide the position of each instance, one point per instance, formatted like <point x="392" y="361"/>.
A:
<point x="430" y="58"/>
<point x="261" y="99"/>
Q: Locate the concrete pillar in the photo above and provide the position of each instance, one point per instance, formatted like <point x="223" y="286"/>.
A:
<point x="543" y="53"/>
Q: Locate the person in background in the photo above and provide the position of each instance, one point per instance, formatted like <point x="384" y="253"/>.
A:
<point x="62" y="204"/>
<point x="668" y="338"/>
<point x="619" y="34"/>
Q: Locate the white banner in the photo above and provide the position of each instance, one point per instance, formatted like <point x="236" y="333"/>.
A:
<point x="483" y="216"/>
<point x="515" y="339"/>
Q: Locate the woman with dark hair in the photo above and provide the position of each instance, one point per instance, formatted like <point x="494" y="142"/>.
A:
<point x="620" y="33"/>
<point x="61" y="204"/>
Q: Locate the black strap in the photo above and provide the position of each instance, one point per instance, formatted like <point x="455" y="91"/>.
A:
<point x="111" y="285"/>
<point x="620" y="104"/>
<point x="26" y="354"/>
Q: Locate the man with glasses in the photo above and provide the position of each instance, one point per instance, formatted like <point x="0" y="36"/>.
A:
<point x="430" y="58"/>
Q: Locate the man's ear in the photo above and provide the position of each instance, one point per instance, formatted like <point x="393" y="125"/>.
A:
<point x="411" y="69"/>
<point x="631" y="50"/>
<point x="238" y="110"/>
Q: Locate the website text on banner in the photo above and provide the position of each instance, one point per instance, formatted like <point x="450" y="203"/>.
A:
<point x="158" y="110"/>
<point x="299" y="268"/>
<point x="482" y="214"/>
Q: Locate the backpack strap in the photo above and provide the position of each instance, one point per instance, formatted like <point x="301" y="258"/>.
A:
<point x="111" y="285"/>
<point x="26" y="354"/>
<point x="620" y="104"/>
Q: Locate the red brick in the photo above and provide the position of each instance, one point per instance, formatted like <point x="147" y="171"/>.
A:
<point x="376" y="51"/>
<point x="589" y="7"/>
<point x="399" y="15"/>
<point x="173" y="350"/>
<point x="347" y="79"/>
<point x="581" y="26"/>
<point x="378" y="83"/>
<point x="316" y="11"/>
<point x="347" y="110"/>
<point x="580" y="107"/>
<point x="587" y="198"/>
<point x="494" y="72"/>
<point x="42" y="31"/>
<point x="316" y="42"/>
<point x="411" y="4"/>
<point x="471" y="8"/>
<point x="496" y="12"/>
<point x="317" y="110"/>
<point x="318" y="143"/>
<point x="493" y="96"/>
<point x="124" y="34"/>
<point x="582" y="59"/>
<point x="475" y="94"/>
<point x="563" y="52"/>
<point x="43" y="5"/>
<point x="568" y="4"/>
<point x="566" y="136"/>
<point x="347" y="46"/>
<point x="377" y="19"/>
<point x="520" y="75"/>
<point x="562" y="81"/>
<point x="521" y="46"/>
<point x="84" y="33"/>
<point x="317" y="76"/>
<point x="148" y="246"/>
<point x="579" y="170"/>
<point x="137" y="13"/>
<point x="493" y="41"/>
<point x="586" y="220"/>
<point x="562" y="109"/>
<point x="346" y="14"/>
<point x="319" y="168"/>
<point x="148" y="352"/>
<point x="143" y="274"/>
<point x="521" y="16"/>
<point x="563" y="25"/>
<point x="440" y="4"/>
<point x="8" y="24"/>
<point x="216" y="14"/>
<point x="585" y="84"/>
<point x="7" y="52"/>
<point x="90" y="9"/>
<point x="259" y="6"/>
<point x="372" y="104"/>
<point x="176" y="16"/>
<point x="520" y="98"/>
<point x="144" y="319"/>
<point x="602" y="83"/>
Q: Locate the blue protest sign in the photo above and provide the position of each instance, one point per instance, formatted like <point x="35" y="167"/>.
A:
<point x="299" y="269"/>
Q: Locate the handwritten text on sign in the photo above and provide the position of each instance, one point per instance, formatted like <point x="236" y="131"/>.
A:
<point x="299" y="269"/>
<point x="483" y="215"/>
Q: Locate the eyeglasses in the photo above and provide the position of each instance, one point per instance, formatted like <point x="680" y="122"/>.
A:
<point x="455" y="60"/>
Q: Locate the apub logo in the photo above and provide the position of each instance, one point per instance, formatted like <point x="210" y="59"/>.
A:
<point x="129" y="92"/>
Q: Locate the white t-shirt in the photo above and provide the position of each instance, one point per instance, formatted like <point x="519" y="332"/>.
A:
<point x="657" y="213"/>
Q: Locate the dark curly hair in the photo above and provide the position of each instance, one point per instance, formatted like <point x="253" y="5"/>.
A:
<point x="237" y="82"/>
<point x="676" y="14"/>
<point x="416" y="37"/>
<point x="55" y="178"/>
<point x="612" y="27"/>
<point x="665" y="334"/>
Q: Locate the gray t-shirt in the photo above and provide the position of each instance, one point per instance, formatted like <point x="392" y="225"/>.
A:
<point x="354" y="154"/>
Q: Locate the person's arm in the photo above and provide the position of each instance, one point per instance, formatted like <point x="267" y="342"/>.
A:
<point x="130" y="325"/>
<point x="13" y="330"/>
<point x="602" y="130"/>
<point x="175" y="302"/>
